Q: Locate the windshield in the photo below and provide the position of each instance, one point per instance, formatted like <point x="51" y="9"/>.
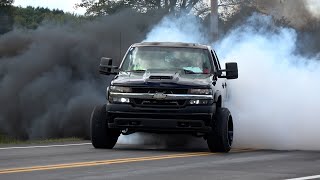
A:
<point x="189" y="59"/>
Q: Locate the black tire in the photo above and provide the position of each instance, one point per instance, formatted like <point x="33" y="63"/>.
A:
<point x="101" y="135"/>
<point x="221" y="137"/>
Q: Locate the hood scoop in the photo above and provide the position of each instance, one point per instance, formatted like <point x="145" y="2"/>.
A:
<point x="161" y="77"/>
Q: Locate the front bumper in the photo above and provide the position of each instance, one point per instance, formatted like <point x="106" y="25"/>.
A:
<point x="189" y="118"/>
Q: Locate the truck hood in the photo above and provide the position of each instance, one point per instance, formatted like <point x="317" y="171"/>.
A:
<point x="163" y="78"/>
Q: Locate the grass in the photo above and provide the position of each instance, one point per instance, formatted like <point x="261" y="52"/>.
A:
<point x="4" y="140"/>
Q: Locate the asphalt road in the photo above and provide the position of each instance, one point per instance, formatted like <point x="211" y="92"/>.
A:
<point x="144" y="162"/>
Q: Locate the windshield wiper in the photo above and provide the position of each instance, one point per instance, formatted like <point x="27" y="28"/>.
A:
<point x="186" y="71"/>
<point x="189" y="71"/>
<point x="137" y="71"/>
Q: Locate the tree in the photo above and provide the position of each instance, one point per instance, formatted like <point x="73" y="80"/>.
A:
<point x="5" y="3"/>
<point x="6" y="18"/>
<point x="107" y="7"/>
<point x="31" y="17"/>
<point x="168" y="5"/>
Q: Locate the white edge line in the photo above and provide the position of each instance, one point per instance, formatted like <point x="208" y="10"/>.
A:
<point x="57" y="145"/>
<point x="306" y="178"/>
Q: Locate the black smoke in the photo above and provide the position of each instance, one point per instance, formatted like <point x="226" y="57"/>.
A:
<point x="48" y="76"/>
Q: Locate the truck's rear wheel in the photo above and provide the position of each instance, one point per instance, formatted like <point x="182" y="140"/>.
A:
<point x="101" y="135"/>
<point x="221" y="137"/>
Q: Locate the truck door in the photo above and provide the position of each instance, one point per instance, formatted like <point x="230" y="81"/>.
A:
<point x="221" y="84"/>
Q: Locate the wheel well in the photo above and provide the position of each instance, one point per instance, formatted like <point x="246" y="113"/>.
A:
<point x="219" y="102"/>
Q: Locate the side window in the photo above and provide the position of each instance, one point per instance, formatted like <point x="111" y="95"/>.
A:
<point x="215" y="61"/>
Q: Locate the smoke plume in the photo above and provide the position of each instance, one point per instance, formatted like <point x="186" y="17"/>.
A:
<point x="298" y="13"/>
<point x="48" y="77"/>
<point x="275" y="98"/>
<point x="313" y="6"/>
<point x="274" y="101"/>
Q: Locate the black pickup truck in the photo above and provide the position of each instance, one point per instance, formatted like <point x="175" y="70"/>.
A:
<point x="166" y="87"/>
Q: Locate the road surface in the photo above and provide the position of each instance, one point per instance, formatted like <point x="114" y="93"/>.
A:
<point x="143" y="162"/>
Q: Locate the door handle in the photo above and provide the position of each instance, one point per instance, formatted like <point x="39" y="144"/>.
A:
<point x="224" y="85"/>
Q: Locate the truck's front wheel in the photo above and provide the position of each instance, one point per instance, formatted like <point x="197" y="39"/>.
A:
<point x="101" y="135"/>
<point x="221" y="137"/>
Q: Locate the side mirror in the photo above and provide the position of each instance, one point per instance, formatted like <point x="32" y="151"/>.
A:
<point x="106" y="67"/>
<point x="231" y="71"/>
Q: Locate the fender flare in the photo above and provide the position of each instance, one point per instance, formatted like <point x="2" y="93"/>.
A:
<point x="216" y="96"/>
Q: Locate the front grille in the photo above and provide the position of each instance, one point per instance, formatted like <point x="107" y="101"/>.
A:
<point x="159" y="103"/>
<point x="160" y="90"/>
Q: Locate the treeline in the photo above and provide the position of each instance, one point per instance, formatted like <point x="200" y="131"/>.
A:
<point x="32" y="17"/>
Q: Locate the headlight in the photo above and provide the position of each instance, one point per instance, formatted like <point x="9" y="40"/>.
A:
<point x="200" y="91"/>
<point x="200" y="102"/>
<point x="120" y="89"/>
<point x="119" y="100"/>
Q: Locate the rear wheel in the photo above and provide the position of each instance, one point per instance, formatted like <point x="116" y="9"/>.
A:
<point x="221" y="137"/>
<point x="101" y="135"/>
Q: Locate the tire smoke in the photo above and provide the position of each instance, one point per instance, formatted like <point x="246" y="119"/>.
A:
<point x="274" y="101"/>
<point x="275" y="98"/>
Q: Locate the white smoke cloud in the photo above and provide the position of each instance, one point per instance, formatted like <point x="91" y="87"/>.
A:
<point x="187" y="28"/>
<point x="313" y="7"/>
<point x="275" y="100"/>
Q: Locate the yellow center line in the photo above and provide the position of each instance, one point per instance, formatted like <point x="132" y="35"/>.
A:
<point x="96" y="163"/>
<point x="104" y="162"/>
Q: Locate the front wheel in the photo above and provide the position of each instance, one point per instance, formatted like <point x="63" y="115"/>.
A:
<point x="221" y="137"/>
<point x="101" y="135"/>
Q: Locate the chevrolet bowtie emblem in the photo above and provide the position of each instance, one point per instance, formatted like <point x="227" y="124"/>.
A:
<point x="159" y="96"/>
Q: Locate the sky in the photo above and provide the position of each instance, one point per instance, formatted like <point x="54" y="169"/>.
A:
<point x="65" y="5"/>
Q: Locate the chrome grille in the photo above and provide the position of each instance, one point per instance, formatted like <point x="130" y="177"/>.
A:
<point x="159" y="103"/>
<point x="160" y="90"/>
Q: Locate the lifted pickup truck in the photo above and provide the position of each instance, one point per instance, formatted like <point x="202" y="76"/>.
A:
<point x="166" y="87"/>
